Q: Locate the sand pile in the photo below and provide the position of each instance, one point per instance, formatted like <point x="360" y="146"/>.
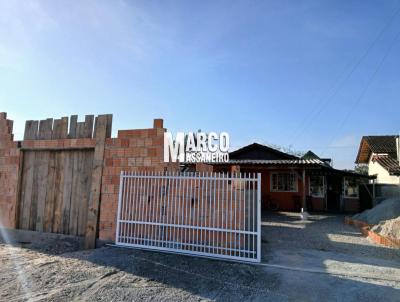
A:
<point x="389" y="228"/>
<point x="387" y="209"/>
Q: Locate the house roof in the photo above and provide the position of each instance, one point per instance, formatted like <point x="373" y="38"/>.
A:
<point x="257" y="151"/>
<point x="297" y="161"/>
<point x="260" y="155"/>
<point x="318" y="166"/>
<point x="382" y="144"/>
<point x="310" y="155"/>
<point x="389" y="163"/>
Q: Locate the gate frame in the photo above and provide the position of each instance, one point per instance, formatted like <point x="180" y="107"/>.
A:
<point x="257" y="203"/>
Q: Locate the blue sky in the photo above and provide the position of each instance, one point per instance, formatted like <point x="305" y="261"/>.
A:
<point x="276" y="72"/>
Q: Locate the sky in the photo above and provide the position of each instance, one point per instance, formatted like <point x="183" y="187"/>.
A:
<point x="299" y="74"/>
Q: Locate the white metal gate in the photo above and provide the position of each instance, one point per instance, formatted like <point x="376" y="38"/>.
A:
<point x="205" y="214"/>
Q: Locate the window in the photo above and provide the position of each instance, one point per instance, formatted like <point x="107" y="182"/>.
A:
<point x="283" y="182"/>
<point x="350" y="187"/>
<point x="317" y="186"/>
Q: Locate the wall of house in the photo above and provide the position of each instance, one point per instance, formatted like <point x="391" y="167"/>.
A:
<point x="285" y="200"/>
<point x="318" y="204"/>
<point x="9" y="169"/>
<point x="289" y="201"/>
<point x="383" y="176"/>
<point x="351" y="205"/>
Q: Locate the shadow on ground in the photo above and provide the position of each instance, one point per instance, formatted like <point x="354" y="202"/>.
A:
<point x="116" y="274"/>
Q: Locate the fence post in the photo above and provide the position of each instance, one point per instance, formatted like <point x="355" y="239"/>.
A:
<point x="100" y="134"/>
<point x="259" y="217"/>
<point x="121" y="178"/>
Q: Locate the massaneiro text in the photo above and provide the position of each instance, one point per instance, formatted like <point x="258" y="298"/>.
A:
<point x="196" y="147"/>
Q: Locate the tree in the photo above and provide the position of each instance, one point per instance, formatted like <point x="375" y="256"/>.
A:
<point x="361" y="169"/>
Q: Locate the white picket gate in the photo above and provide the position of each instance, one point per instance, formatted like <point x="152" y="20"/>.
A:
<point x="204" y="214"/>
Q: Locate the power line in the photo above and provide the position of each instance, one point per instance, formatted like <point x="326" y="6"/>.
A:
<point x="314" y="114"/>
<point x="370" y="80"/>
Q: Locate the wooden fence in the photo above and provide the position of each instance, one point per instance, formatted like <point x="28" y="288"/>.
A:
<point x="60" y="180"/>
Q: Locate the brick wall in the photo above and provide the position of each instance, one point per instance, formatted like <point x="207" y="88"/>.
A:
<point x="9" y="169"/>
<point x="200" y="167"/>
<point x="132" y="151"/>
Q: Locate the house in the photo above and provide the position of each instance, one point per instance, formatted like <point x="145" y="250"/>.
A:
<point x="290" y="182"/>
<point x="382" y="155"/>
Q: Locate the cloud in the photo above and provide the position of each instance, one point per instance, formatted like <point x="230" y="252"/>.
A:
<point x="118" y="29"/>
<point x="21" y="23"/>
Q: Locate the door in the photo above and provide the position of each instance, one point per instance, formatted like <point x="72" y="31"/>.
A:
<point x="334" y="192"/>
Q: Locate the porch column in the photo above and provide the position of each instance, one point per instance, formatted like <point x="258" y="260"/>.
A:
<point x="304" y="190"/>
<point x="373" y="192"/>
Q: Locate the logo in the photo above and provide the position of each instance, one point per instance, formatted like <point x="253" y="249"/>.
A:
<point x="196" y="147"/>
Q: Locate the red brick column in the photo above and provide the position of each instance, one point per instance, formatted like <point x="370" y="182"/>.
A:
<point x="9" y="169"/>
<point x="132" y="151"/>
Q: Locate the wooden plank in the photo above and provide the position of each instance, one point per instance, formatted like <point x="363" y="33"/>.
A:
<point x="97" y="171"/>
<point x="19" y="191"/>
<point x="45" y="129"/>
<point x="58" y="196"/>
<point x="64" y="127"/>
<point x="26" y="196"/>
<point x="88" y="126"/>
<point x="60" y="128"/>
<point x="32" y="215"/>
<point x="73" y="213"/>
<point x="78" y="191"/>
<point x="80" y="130"/>
<point x="31" y="130"/>
<point x="56" y="129"/>
<point x="42" y="159"/>
<point x="109" y="118"/>
<point x="67" y="192"/>
<point x="85" y="183"/>
<point x="50" y="194"/>
<point x="72" y="126"/>
<point x="109" y="125"/>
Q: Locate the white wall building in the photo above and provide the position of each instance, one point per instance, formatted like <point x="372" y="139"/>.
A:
<point x="382" y="155"/>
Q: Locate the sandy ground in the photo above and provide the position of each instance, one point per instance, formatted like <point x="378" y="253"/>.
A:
<point x="322" y="259"/>
<point x="389" y="228"/>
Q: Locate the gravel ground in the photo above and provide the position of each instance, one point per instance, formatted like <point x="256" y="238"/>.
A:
<point x="296" y="266"/>
<point x="386" y="209"/>
<point x="389" y="228"/>
<point x="286" y="231"/>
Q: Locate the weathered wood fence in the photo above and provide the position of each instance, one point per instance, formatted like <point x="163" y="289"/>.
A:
<point x="61" y="168"/>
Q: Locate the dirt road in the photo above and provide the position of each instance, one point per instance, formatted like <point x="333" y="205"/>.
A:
<point x="307" y="271"/>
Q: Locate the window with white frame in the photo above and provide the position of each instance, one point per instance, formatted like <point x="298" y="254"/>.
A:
<point x="283" y="182"/>
<point x="350" y="187"/>
<point x="317" y="186"/>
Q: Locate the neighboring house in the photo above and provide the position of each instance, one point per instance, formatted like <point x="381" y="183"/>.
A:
<point x="290" y="182"/>
<point x="381" y="154"/>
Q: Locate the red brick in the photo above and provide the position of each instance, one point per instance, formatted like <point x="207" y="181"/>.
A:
<point x="158" y="123"/>
<point x="9" y="166"/>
